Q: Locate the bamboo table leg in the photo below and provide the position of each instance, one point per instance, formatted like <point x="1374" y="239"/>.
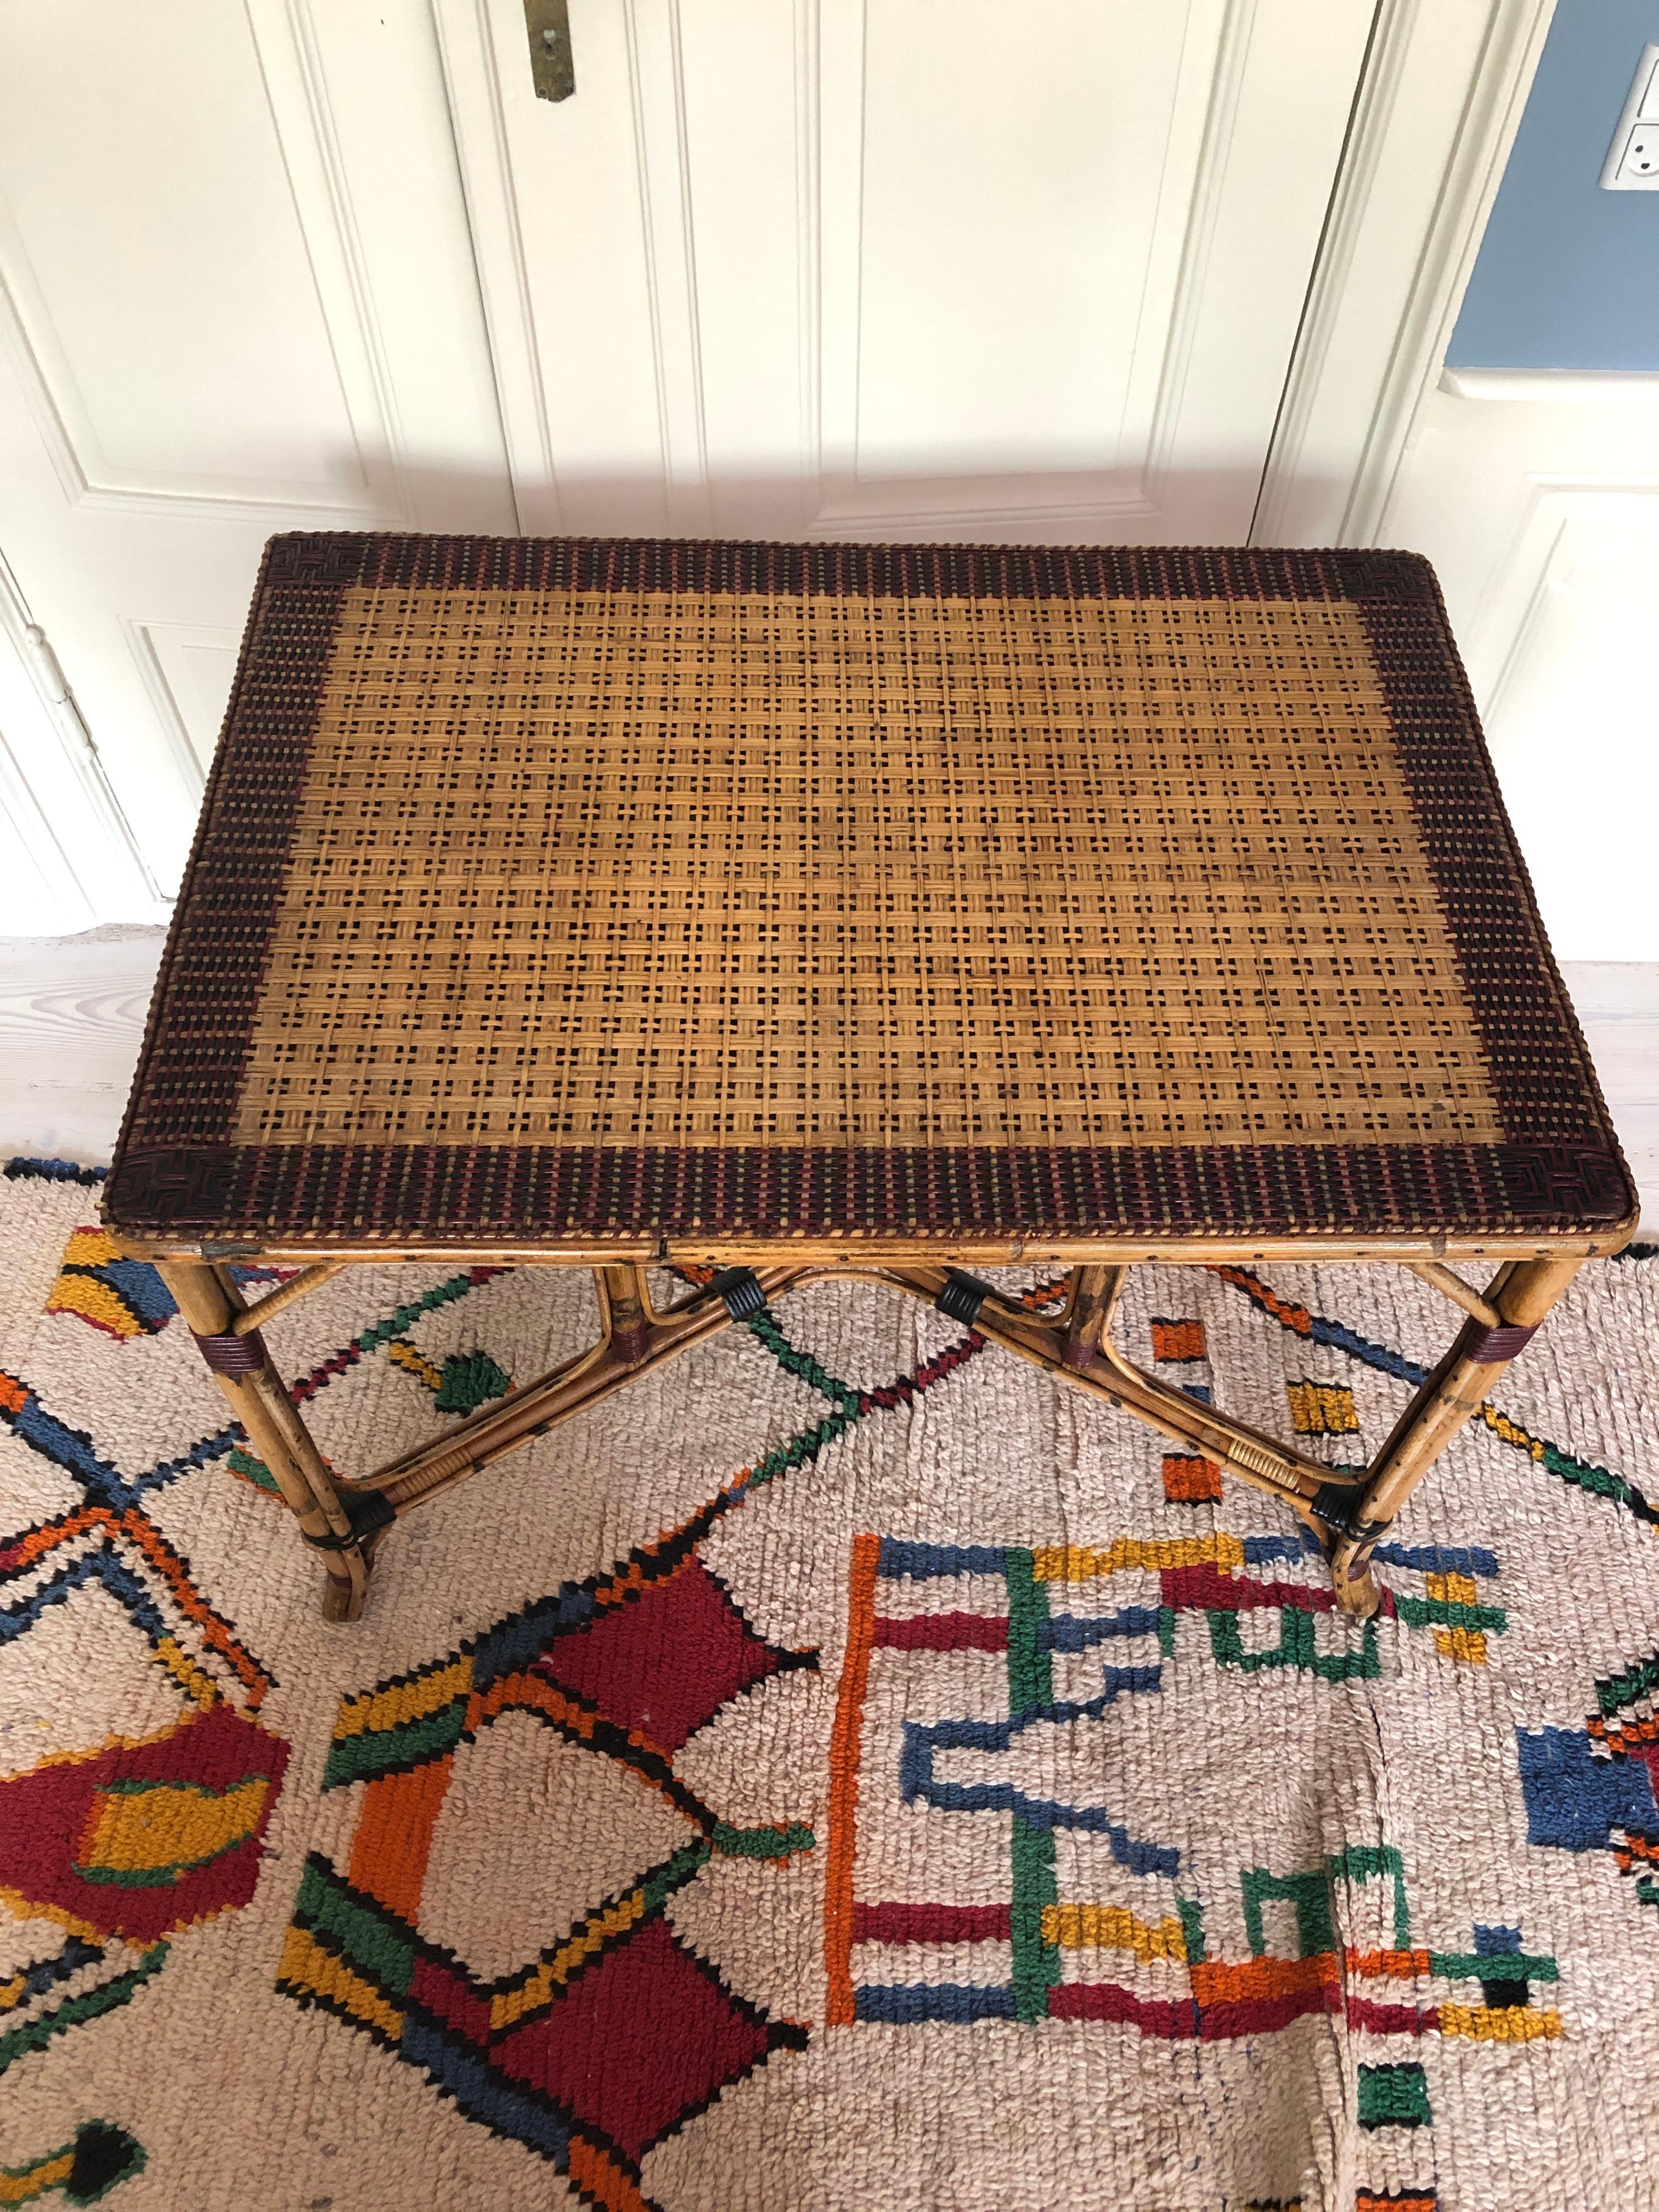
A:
<point x="1458" y="1388"/>
<point x="1349" y="1513"/>
<point x="259" y="1397"/>
<point x="624" y="1310"/>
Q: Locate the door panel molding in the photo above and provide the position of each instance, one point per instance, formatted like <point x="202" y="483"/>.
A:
<point x="1210" y="87"/>
<point x="1543" y="520"/>
<point x="53" y="780"/>
<point x="53" y="833"/>
<point x="1551" y="519"/>
<point x="1568" y="702"/>
<point x="163" y="651"/>
<point x="473" y="86"/>
<point x="1225" y="77"/>
<point x="286" y="39"/>
<point x="1433" y="114"/>
<point x="852" y="506"/>
<point x="1563" y="524"/>
<point x="283" y="39"/>
<point x="832" y="92"/>
<point x="662" y="176"/>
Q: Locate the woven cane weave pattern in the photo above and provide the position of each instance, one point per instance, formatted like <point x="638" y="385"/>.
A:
<point x="623" y="869"/>
<point x="586" y="889"/>
<point x="843" y="1771"/>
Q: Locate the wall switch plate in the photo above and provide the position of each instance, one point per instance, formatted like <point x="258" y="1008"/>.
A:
<point x="1632" y="162"/>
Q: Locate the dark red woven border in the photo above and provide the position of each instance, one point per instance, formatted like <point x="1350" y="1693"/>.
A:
<point x="201" y="1018"/>
<point x="176" y="1170"/>
<point x="927" y="572"/>
<point x="531" y="1191"/>
<point x="1537" y="1063"/>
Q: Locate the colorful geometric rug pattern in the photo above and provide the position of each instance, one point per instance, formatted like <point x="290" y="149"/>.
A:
<point x="842" y="1770"/>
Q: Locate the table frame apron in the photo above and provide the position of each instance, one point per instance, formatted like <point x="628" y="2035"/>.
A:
<point x="1349" y="1512"/>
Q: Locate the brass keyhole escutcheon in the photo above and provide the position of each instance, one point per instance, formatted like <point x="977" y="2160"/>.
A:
<point x="552" y="65"/>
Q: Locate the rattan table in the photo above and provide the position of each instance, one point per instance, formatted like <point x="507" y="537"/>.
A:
<point x="782" y="912"/>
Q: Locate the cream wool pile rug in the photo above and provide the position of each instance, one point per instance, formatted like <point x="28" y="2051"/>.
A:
<point x="842" y="1772"/>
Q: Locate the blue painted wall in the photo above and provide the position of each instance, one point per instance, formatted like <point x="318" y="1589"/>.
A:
<point x="1568" y="275"/>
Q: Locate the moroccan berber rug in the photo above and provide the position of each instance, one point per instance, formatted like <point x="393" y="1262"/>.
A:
<point x="842" y="1772"/>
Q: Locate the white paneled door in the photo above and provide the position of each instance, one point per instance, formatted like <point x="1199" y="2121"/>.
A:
<point x="906" y="268"/>
<point x="241" y="299"/>
<point x="803" y="268"/>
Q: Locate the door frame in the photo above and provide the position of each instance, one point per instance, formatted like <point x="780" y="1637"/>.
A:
<point x="1436" y="112"/>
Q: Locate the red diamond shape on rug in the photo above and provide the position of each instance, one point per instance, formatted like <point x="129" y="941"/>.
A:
<point x="662" y="1663"/>
<point x="644" y="2037"/>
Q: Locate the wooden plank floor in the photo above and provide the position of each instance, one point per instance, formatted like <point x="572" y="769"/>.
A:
<point x="72" y="1013"/>
<point x="71" y="1019"/>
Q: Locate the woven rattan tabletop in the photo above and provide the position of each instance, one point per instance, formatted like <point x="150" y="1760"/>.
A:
<point x="605" y="895"/>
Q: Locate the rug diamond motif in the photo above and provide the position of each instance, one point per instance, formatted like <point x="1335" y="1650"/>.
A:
<point x="642" y="2039"/>
<point x="666" y="1660"/>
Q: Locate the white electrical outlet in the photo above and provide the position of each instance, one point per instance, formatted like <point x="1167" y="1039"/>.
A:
<point x="1632" y="162"/>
